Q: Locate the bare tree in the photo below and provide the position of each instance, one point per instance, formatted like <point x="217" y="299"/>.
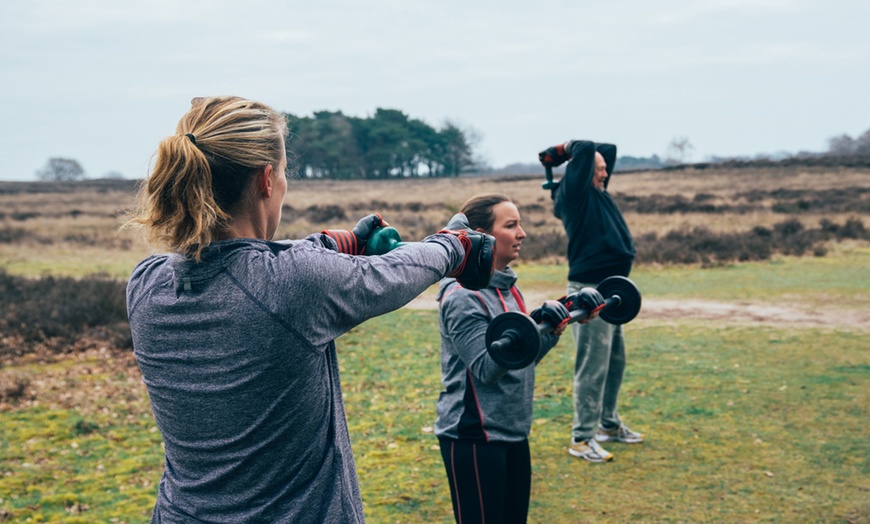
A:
<point x="841" y="145"/>
<point x="679" y="150"/>
<point x="862" y="144"/>
<point x="61" y="170"/>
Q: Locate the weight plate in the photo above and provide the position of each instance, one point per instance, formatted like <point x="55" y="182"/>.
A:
<point x="512" y="340"/>
<point x="629" y="296"/>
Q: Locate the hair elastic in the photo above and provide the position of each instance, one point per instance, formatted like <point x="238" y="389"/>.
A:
<point x="191" y="137"/>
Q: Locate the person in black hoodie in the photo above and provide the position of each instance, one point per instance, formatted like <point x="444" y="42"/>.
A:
<point x="599" y="245"/>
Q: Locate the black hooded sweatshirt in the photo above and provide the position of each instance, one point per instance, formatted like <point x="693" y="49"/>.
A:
<point x="599" y="242"/>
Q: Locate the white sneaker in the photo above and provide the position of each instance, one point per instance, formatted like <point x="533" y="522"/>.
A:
<point x="590" y="450"/>
<point x="620" y="434"/>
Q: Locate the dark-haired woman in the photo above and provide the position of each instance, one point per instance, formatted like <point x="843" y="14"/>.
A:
<point x="484" y="413"/>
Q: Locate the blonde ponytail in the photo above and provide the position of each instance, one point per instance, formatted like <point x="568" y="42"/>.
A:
<point x="203" y="172"/>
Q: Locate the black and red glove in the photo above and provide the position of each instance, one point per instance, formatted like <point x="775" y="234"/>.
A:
<point x="555" y="156"/>
<point x="353" y="242"/>
<point x="552" y="312"/>
<point x="475" y="271"/>
<point x="587" y="298"/>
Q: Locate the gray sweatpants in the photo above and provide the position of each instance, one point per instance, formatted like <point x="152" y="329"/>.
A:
<point x="598" y="371"/>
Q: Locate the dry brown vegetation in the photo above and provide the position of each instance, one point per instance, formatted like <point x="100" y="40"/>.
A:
<point x="706" y="216"/>
<point x="82" y="440"/>
<point x="72" y="228"/>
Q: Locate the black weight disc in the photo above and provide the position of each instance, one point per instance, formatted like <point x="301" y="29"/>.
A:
<point x="513" y="340"/>
<point x="629" y="295"/>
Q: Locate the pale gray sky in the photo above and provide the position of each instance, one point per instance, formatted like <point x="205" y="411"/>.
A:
<point x="103" y="81"/>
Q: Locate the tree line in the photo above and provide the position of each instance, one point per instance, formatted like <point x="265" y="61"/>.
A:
<point x="388" y="144"/>
<point x="329" y="144"/>
<point x="845" y="145"/>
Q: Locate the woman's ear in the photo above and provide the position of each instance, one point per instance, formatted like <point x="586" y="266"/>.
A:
<point x="479" y="230"/>
<point x="264" y="182"/>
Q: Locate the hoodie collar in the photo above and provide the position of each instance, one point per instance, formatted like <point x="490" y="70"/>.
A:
<point x="503" y="279"/>
<point x="500" y="279"/>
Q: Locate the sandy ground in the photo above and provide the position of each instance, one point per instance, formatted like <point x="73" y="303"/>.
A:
<point x="737" y="313"/>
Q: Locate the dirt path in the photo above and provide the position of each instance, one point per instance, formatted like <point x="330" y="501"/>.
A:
<point x="738" y="313"/>
<point x="754" y="313"/>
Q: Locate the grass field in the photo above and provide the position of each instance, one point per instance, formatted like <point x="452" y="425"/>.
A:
<point x="745" y="422"/>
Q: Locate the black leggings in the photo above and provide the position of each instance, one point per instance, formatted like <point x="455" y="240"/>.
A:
<point x="489" y="482"/>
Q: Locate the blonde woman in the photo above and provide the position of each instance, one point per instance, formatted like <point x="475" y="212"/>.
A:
<point x="234" y="333"/>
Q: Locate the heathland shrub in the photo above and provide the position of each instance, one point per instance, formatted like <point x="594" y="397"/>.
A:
<point x="673" y="204"/>
<point x="13" y="385"/>
<point x="789" y="201"/>
<point x="326" y="213"/>
<point x="63" y="309"/>
<point x="854" y="228"/>
<point x="786" y="201"/>
<point x="699" y="244"/>
<point x="12" y="235"/>
<point x="545" y="244"/>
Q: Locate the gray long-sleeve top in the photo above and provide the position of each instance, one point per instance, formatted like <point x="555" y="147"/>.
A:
<point x="481" y="400"/>
<point x="238" y="357"/>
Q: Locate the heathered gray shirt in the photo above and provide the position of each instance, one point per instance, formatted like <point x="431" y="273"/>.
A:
<point x="238" y="357"/>
<point x="481" y="400"/>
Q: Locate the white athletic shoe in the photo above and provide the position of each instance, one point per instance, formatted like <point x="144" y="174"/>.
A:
<point x="620" y="434"/>
<point x="590" y="450"/>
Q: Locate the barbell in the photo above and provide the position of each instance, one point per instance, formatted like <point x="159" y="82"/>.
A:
<point x="513" y="339"/>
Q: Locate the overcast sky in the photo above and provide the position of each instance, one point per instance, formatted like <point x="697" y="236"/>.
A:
<point x="103" y="81"/>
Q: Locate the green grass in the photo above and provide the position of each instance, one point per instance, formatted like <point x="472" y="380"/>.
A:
<point x="744" y="423"/>
<point x="60" y="467"/>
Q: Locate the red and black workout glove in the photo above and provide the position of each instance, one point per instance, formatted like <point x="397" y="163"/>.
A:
<point x="552" y="312"/>
<point x="353" y="242"/>
<point x="475" y="271"/>
<point x="587" y="298"/>
<point x="555" y="156"/>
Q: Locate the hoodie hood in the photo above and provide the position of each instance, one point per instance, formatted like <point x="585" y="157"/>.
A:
<point x="214" y="259"/>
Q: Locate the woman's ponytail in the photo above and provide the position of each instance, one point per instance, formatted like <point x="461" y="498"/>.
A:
<point x="202" y="173"/>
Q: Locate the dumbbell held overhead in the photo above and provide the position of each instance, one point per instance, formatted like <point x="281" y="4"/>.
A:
<point x="513" y="339"/>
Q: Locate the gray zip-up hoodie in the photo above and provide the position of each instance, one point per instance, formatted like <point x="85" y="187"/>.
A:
<point x="481" y="400"/>
<point x="238" y="357"/>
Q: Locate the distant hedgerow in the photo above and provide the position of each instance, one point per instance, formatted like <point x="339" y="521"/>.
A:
<point x="701" y="245"/>
<point x="63" y="309"/>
